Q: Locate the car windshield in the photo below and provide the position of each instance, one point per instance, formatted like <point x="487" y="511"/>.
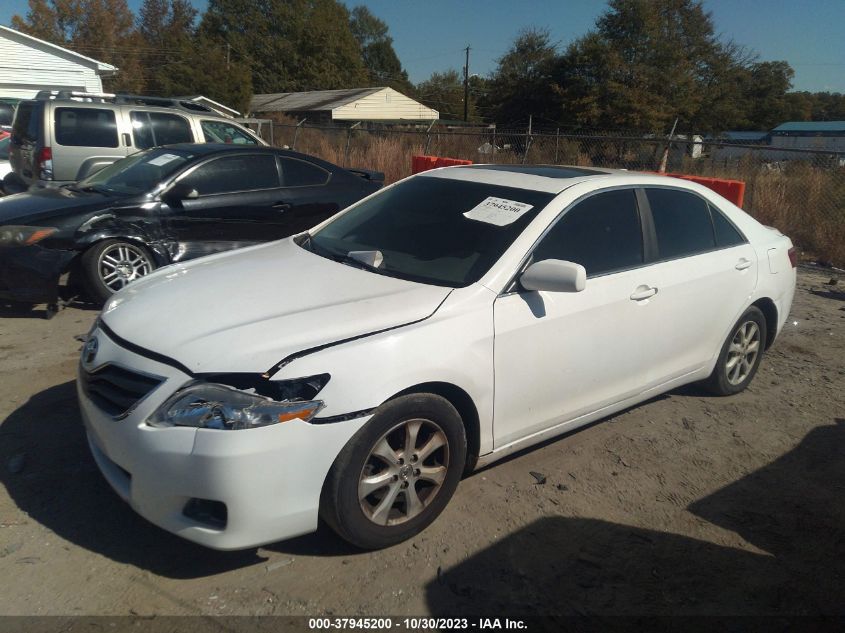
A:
<point x="432" y="230"/>
<point x="138" y="173"/>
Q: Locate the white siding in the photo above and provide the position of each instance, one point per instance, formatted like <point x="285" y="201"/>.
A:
<point x="384" y="105"/>
<point x="26" y="68"/>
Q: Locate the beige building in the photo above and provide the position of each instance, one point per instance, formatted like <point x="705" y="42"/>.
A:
<point x="384" y="105"/>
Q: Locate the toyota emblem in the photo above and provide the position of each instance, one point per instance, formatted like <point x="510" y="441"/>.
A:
<point x="89" y="353"/>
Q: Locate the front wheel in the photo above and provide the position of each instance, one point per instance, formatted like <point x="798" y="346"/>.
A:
<point x="396" y="475"/>
<point x="740" y="356"/>
<point x="109" y="265"/>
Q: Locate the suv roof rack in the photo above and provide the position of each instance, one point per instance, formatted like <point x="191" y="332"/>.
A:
<point x="122" y="99"/>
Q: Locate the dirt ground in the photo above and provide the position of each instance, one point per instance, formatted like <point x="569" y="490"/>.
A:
<point x="688" y="504"/>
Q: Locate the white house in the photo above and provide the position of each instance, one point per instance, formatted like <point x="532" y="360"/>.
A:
<point x="28" y="64"/>
<point x="356" y="104"/>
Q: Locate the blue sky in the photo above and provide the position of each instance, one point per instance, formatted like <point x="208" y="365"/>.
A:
<point x="430" y="36"/>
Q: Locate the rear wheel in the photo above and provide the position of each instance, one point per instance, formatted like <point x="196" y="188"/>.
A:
<point x="740" y="356"/>
<point x="110" y="265"/>
<point x="396" y="475"/>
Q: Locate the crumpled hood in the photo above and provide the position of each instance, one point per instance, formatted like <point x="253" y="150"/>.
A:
<point x="246" y="310"/>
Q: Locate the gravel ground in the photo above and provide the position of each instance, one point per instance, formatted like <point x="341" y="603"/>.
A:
<point x="687" y="504"/>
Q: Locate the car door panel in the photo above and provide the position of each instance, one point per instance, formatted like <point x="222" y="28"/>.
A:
<point x="561" y="355"/>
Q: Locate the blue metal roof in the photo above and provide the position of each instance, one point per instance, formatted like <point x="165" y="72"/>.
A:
<point x="812" y="126"/>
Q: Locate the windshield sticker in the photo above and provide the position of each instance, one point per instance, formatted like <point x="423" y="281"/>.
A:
<point x="498" y="211"/>
<point x="161" y="161"/>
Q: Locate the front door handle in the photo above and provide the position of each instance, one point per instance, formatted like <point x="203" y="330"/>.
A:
<point x="281" y="206"/>
<point x="742" y="264"/>
<point x="643" y="292"/>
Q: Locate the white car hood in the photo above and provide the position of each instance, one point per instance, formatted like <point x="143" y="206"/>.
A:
<point x="246" y="310"/>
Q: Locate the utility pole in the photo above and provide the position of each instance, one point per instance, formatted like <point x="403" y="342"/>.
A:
<point x="466" y="86"/>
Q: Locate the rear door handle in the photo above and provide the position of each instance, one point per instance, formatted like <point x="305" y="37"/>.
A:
<point x="127" y="140"/>
<point x="281" y="206"/>
<point x="742" y="264"/>
<point x="643" y="292"/>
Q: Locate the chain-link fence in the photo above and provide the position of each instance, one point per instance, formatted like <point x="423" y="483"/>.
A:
<point x="801" y="192"/>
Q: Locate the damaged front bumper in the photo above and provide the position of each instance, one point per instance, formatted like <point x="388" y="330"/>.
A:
<point x="30" y="274"/>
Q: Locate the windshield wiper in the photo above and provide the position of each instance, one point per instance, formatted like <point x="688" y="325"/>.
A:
<point x="96" y="189"/>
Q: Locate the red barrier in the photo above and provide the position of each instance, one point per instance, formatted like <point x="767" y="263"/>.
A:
<point x="733" y="190"/>
<point x="423" y="163"/>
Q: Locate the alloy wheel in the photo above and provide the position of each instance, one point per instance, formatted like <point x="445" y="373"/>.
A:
<point x="122" y="263"/>
<point x="403" y="472"/>
<point x="742" y="353"/>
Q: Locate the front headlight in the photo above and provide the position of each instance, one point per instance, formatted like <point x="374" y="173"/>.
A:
<point x="214" y="406"/>
<point x="12" y="235"/>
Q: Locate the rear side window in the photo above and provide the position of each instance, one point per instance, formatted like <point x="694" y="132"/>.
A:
<point x="150" y="129"/>
<point x="602" y="233"/>
<point x="726" y="233"/>
<point x="222" y="132"/>
<point x="85" y="127"/>
<point x="298" y="173"/>
<point x="234" y="173"/>
<point x="682" y="222"/>
<point x="25" y="128"/>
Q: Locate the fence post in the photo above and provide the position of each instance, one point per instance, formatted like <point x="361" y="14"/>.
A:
<point x="494" y="142"/>
<point x="428" y="137"/>
<point x="557" y="140"/>
<point x="528" y="139"/>
<point x="296" y="132"/>
<point x="349" y="138"/>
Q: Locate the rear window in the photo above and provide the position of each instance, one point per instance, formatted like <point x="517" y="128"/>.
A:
<point x="4" y="148"/>
<point x="85" y="127"/>
<point x="158" y="128"/>
<point x="25" y="127"/>
<point x="7" y="113"/>
<point x="223" y="132"/>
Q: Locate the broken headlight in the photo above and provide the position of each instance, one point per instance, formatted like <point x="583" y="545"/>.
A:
<point x="12" y="235"/>
<point x="214" y="406"/>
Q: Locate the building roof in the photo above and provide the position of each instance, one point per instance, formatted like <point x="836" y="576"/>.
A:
<point x="815" y="127"/>
<point x="733" y="135"/>
<point x="312" y="101"/>
<point x="102" y="67"/>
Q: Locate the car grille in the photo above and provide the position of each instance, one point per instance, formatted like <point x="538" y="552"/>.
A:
<point x="116" y="390"/>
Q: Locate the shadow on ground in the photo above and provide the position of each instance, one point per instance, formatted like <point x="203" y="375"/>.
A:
<point x="61" y="488"/>
<point x="793" y="510"/>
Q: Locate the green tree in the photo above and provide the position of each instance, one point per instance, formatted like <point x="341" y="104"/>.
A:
<point x="445" y="93"/>
<point x="522" y="83"/>
<point x="649" y="62"/>
<point x="380" y="60"/>
<point x="289" y="45"/>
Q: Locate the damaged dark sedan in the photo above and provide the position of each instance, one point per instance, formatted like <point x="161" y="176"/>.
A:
<point x="161" y="206"/>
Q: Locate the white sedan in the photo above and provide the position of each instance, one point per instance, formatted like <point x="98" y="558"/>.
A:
<point x="356" y="371"/>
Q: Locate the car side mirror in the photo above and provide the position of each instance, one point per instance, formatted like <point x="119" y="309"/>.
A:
<point x="554" y="275"/>
<point x="180" y="191"/>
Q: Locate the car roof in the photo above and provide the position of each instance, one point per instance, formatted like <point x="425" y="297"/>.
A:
<point x="552" y="178"/>
<point x="205" y="149"/>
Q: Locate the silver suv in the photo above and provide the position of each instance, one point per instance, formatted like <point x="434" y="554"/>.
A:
<point x="62" y="136"/>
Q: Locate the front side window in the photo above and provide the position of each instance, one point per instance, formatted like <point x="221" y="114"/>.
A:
<point x="682" y="223"/>
<point x="234" y="173"/>
<point x="298" y="173"/>
<point x="158" y="128"/>
<point x="85" y="127"/>
<point x="139" y="173"/>
<point x="433" y="230"/>
<point x="602" y="233"/>
<point x="223" y="132"/>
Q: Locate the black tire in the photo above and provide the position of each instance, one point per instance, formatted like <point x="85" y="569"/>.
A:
<point x="357" y="520"/>
<point x="95" y="267"/>
<point x="734" y="371"/>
